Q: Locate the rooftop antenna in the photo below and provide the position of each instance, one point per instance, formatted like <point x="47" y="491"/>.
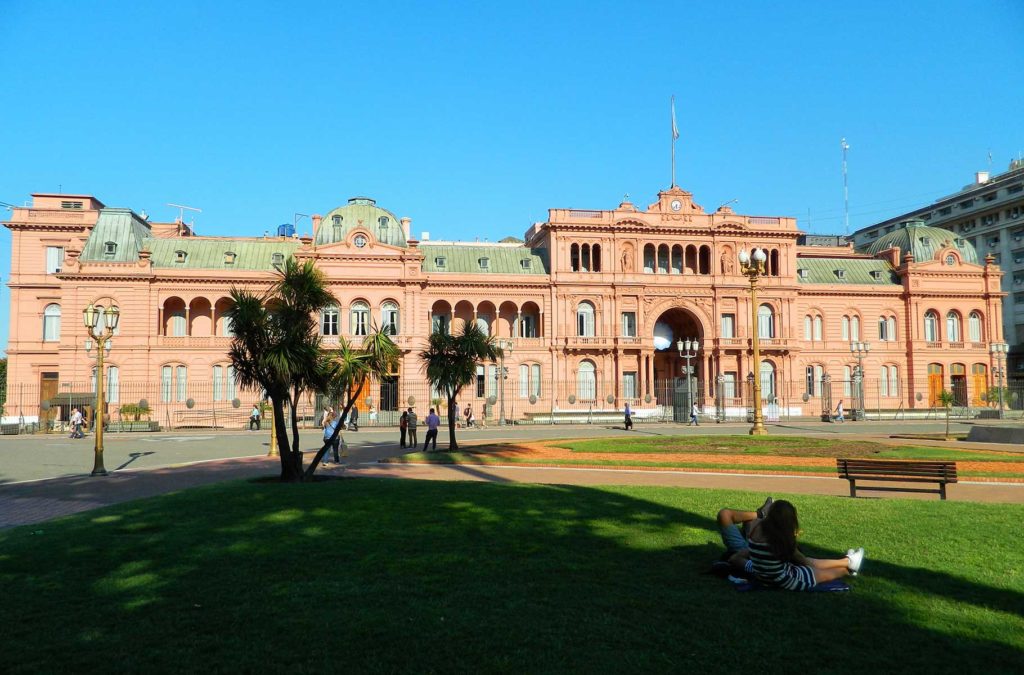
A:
<point x="297" y="218"/>
<point x="181" y="215"/>
<point x="990" y="160"/>
<point x="675" y="137"/>
<point x="846" y="190"/>
<point x="731" y="201"/>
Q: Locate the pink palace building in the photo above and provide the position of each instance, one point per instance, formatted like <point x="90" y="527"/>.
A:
<point x="596" y="303"/>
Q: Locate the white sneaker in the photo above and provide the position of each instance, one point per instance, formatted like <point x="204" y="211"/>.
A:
<point x="856" y="560"/>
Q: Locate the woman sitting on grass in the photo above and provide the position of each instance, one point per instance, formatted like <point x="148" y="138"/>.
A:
<point x="776" y="560"/>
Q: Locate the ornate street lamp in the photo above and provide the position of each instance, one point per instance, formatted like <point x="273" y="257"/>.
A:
<point x="91" y="316"/>
<point x="859" y="350"/>
<point x="999" y="350"/>
<point x="688" y="349"/>
<point x="752" y="266"/>
<point x="505" y="345"/>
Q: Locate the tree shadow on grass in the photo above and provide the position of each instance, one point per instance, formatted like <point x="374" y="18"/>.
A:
<point x="423" y="576"/>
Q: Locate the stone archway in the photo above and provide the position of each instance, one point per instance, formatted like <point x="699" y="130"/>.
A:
<point x="672" y="385"/>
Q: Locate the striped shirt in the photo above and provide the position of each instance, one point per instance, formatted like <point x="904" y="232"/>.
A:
<point x="772" y="571"/>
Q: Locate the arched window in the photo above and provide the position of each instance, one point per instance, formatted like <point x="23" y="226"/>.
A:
<point x="704" y="262"/>
<point x="808" y="330"/>
<point x="595" y="257"/>
<point x="677" y="259"/>
<point x="166" y="383"/>
<point x="974" y="327"/>
<point x="586" y="381"/>
<point x="931" y="326"/>
<point x="663" y="259"/>
<point x="585" y="257"/>
<point x="817" y="328"/>
<point x="649" y="261"/>
<point x="883" y="382"/>
<point x="894" y="381"/>
<point x="181" y="377"/>
<point x="846" y="328"/>
<point x="691" y="258"/>
<point x="953" y="327"/>
<point x="574" y="257"/>
<point x="765" y="322"/>
<point x="855" y="328"/>
<point x="51" y="323"/>
<point x="329" y="321"/>
<point x="773" y="263"/>
<point x="359" y="321"/>
<point x="585" y="325"/>
<point x="847" y="376"/>
<point x="389" y="318"/>
<point x="890" y="324"/>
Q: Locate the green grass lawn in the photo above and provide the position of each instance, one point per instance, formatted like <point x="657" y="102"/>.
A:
<point x="417" y="576"/>
<point x="788" y="446"/>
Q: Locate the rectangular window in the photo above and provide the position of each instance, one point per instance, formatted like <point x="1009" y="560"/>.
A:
<point x="883" y="382"/>
<point x="492" y="380"/>
<point x="524" y="381"/>
<point x="165" y="384"/>
<point x="728" y="325"/>
<point x="480" y="381"/>
<point x="535" y="379"/>
<point x="54" y="259"/>
<point x="178" y="324"/>
<point x="71" y="205"/>
<point x="629" y="384"/>
<point x="329" y="324"/>
<point x="113" y="392"/>
<point x="729" y="385"/>
<point x="181" y="391"/>
<point x="439" y="323"/>
<point x="629" y="324"/>
<point x="218" y="383"/>
<point x="232" y="392"/>
<point x="527" y="326"/>
<point x="809" y="376"/>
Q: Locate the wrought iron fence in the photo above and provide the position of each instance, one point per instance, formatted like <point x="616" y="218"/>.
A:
<point x="150" y="405"/>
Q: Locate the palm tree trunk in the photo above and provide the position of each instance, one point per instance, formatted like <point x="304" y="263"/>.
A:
<point x="453" y="445"/>
<point x="296" y="448"/>
<point x="288" y="474"/>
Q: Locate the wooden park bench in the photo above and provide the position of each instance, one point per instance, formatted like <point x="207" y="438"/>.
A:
<point x="897" y="471"/>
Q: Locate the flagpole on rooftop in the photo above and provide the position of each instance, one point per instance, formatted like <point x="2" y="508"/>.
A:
<point x="675" y="135"/>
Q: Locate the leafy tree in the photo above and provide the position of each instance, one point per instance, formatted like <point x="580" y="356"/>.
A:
<point x="277" y="348"/>
<point x="349" y="371"/>
<point x="450" y="362"/>
<point x="946" y="398"/>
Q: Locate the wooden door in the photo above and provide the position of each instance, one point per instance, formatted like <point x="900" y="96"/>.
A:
<point x="979" y="384"/>
<point x="49" y="384"/>
<point x="934" y="384"/>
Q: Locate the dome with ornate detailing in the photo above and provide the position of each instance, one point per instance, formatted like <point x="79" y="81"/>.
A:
<point x="363" y="215"/>
<point x="923" y="242"/>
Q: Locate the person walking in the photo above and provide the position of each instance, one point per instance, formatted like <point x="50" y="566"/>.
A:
<point x="76" y="423"/>
<point x="694" y="411"/>
<point x="254" y="417"/>
<point x="330" y="426"/>
<point x="433" y="422"/>
<point x="325" y="418"/>
<point x="470" y="420"/>
<point x="629" y="418"/>
<point x="403" y="427"/>
<point x="353" y="422"/>
<point x="839" y="412"/>
<point x="413" y="420"/>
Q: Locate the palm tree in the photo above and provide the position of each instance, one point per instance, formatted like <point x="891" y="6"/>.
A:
<point x="450" y="362"/>
<point x="946" y="398"/>
<point x="276" y="348"/>
<point x="349" y="371"/>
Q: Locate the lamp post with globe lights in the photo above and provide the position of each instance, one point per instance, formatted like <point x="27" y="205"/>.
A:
<point x="859" y="351"/>
<point x="999" y="351"/>
<point x="688" y="349"/>
<point x="91" y="317"/>
<point x="752" y="266"/>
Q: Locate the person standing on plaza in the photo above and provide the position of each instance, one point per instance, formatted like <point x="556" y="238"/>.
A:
<point x="433" y="422"/>
<point x="353" y="422"/>
<point x="694" y="411"/>
<point x="403" y="427"/>
<point x="470" y="421"/>
<point x="413" y="421"/>
<point x="629" y="418"/>
<point x="254" y="417"/>
<point x="331" y="424"/>
<point x="325" y="418"/>
<point x="76" y="423"/>
<point x="839" y="412"/>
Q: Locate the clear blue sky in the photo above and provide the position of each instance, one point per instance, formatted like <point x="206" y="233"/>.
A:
<point x="475" y="118"/>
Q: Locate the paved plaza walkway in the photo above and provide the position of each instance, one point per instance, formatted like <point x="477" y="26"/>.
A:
<point x="34" y="501"/>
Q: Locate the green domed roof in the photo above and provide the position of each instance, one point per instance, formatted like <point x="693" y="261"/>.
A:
<point x="361" y="213"/>
<point x="923" y="242"/>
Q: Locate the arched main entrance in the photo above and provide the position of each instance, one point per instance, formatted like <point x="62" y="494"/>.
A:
<point x="673" y="385"/>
